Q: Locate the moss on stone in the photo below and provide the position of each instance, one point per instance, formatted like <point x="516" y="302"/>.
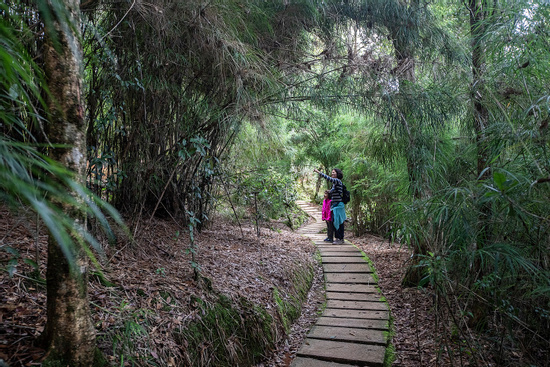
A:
<point x="228" y="333"/>
<point x="290" y="307"/>
<point x="237" y="332"/>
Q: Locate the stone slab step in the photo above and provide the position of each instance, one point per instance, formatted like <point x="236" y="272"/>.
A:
<point x="343" y="352"/>
<point x="357" y="305"/>
<point x="310" y="362"/>
<point x="353" y="323"/>
<point x="336" y="253"/>
<point x="350" y="278"/>
<point x="351" y="288"/>
<point x="342" y="260"/>
<point x="334" y="249"/>
<point x="364" y="297"/>
<point x="347" y="268"/>
<point x="343" y="246"/>
<point x="346" y="334"/>
<point x="356" y="314"/>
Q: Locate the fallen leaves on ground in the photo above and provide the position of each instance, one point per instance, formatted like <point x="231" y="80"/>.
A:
<point x="151" y="285"/>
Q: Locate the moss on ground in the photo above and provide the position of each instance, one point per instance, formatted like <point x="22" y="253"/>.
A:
<point x="389" y="355"/>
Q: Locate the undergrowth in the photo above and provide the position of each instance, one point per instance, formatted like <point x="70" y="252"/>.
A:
<point x="290" y="307"/>
<point x="228" y="332"/>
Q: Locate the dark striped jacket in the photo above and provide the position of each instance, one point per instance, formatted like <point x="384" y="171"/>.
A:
<point x="337" y="188"/>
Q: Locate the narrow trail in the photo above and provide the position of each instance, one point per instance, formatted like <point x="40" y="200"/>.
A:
<point x="353" y="329"/>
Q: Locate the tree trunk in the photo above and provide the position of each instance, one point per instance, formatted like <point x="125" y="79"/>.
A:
<point x="478" y="15"/>
<point x="405" y="73"/>
<point x="481" y="114"/>
<point x="69" y="333"/>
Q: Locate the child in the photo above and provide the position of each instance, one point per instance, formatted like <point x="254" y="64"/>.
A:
<point x="326" y="215"/>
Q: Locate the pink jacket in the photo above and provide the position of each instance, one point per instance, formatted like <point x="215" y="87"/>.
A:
<point x="326" y="214"/>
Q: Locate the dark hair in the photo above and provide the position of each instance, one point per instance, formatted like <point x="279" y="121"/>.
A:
<point x="339" y="173"/>
<point x="327" y="192"/>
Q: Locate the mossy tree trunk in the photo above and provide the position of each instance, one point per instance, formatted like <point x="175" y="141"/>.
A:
<point x="69" y="333"/>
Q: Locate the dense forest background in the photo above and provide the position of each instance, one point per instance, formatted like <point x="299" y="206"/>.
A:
<point x="117" y="112"/>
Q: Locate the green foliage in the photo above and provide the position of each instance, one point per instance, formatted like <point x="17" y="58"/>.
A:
<point x="512" y="264"/>
<point x="318" y="137"/>
<point x="129" y="334"/>
<point x="27" y="176"/>
<point x="273" y="191"/>
<point x="169" y="88"/>
<point x="14" y="260"/>
<point x="374" y="192"/>
<point x="472" y="202"/>
<point x="444" y="146"/>
<point x="265" y="195"/>
<point x="258" y="179"/>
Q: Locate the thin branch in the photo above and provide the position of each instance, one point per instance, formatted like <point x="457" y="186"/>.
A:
<point x="120" y="21"/>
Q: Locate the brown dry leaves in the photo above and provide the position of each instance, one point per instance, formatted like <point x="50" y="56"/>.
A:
<point x="154" y="288"/>
<point x="153" y="284"/>
<point x="418" y="337"/>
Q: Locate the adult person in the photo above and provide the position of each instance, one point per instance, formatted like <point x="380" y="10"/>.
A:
<point x="336" y="206"/>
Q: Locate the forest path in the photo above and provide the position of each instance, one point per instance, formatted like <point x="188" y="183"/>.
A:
<point x="353" y="329"/>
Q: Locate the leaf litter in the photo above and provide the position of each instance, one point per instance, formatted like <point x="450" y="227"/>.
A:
<point x="152" y="285"/>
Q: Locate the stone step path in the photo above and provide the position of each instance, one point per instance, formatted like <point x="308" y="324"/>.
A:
<point x="353" y="329"/>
